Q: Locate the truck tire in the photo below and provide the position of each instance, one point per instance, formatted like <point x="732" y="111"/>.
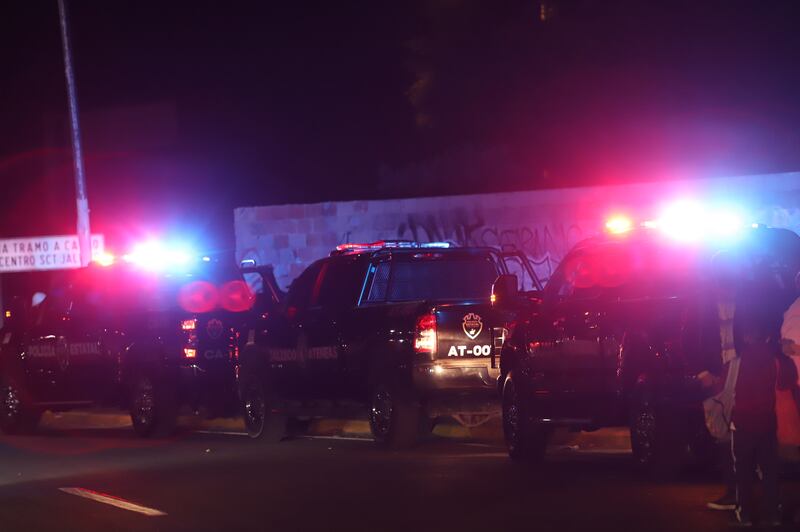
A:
<point x="16" y="415"/>
<point x="655" y="437"/>
<point x="395" y="418"/>
<point x="525" y="440"/>
<point x="153" y="407"/>
<point x="260" y="421"/>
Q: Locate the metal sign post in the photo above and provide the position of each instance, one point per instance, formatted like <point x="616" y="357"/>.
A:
<point x="82" y="202"/>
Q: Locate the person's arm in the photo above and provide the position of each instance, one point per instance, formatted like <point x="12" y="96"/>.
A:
<point x="787" y="372"/>
<point x="712" y="370"/>
<point x="789" y="348"/>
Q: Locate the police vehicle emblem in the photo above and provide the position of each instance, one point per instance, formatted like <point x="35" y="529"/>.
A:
<point x="214" y="329"/>
<point x="472" y="325"/>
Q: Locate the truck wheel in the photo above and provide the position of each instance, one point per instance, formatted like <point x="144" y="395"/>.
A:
<point x="260" y="421"/>
<point x="394" y="418"/>
<point x="153" y="408"/>
<point x="655" y="438"/>
<point x="525" y="441"/>
<point x="15" y="416"/>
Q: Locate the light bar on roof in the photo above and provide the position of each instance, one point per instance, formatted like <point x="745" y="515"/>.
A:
<point x="691" y="221"/>
<point x="154" y="255"/>
<point x="619" y="224"/>
<point x="682" y="220"/>
<point x="104" y="259"/>
<point x="391" y="244"/>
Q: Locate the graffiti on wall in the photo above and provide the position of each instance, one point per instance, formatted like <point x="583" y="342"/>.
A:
<point x="543" y="225"/>
<point x="544" y="244"/>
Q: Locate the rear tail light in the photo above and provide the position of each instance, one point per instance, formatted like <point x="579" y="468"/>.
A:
<point x="189" y="329"/>
<point x="235" y="346"/>
<point x="425" y="338"/>
<point x="499" y="336"/>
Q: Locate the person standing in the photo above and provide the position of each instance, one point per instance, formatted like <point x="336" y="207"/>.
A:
<point x="720" y="376"/>
<point x="754" y="441"/>
<point x="790" y="329"/>
<point x="790" y="343"/>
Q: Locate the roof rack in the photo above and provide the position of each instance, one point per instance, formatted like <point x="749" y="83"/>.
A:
<point x="344" y="249"/>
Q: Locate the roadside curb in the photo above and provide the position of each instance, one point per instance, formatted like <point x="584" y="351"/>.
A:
<point x="339" y="427"/>
<point x="85" y="420"/>
<point x="616" y="439"/>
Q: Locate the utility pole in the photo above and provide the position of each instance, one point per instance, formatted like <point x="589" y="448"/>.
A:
<point x="82" y="202"/>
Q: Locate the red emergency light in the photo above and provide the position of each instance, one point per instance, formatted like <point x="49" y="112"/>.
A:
<point x="619" y="224"/>
<point x="236" y="296"/>
<point x="686" y="221"/>
<point x="157" y="256"/>
<point x="201" y="296"/>
<point x="104" y="259"/>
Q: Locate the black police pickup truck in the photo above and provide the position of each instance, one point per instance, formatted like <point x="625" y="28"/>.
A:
<point x="622" y="331"/>
<point x="117" y="336"/>
<point x="403" y="328"/>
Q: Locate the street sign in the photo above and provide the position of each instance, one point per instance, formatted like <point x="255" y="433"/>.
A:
<point x="44" y="253"/>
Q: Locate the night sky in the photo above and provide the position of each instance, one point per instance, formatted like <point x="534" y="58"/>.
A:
<point x="268" y="103"/>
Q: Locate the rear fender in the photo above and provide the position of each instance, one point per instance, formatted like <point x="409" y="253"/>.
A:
<point x="253" y="359"/>
<point x="635" y="362"/>
<point x="392" y="368"/>
<point x="513" y="352"/>
<point x="136" y="360"/>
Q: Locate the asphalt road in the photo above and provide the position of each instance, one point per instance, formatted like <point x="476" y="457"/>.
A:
<point x="225" y="482"/>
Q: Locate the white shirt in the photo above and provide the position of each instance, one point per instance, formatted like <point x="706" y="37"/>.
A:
<point x="725" y="312"/>
<point x="790" y="330"/>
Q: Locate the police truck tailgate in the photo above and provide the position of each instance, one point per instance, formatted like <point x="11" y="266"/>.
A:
<point x="464" y="332"/>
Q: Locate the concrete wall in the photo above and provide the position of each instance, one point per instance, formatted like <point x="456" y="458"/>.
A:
<point x="544" y="224"/>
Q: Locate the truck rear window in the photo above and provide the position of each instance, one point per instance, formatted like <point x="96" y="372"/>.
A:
<point x="440" y="279"/>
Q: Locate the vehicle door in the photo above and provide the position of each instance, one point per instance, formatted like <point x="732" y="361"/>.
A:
<point x="89" y="351"/>
<point x="582" y="342"/>
<point x="516" y="263"/>
<point x="371" y="330"/>
<point x="43" y="360"/>
<point x="328" y="321"/>
<point x="283" y="337"/>
<point x="530" y="289"/>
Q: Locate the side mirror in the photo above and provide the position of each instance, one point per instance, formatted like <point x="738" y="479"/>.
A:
<point x="505" y="290"/>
